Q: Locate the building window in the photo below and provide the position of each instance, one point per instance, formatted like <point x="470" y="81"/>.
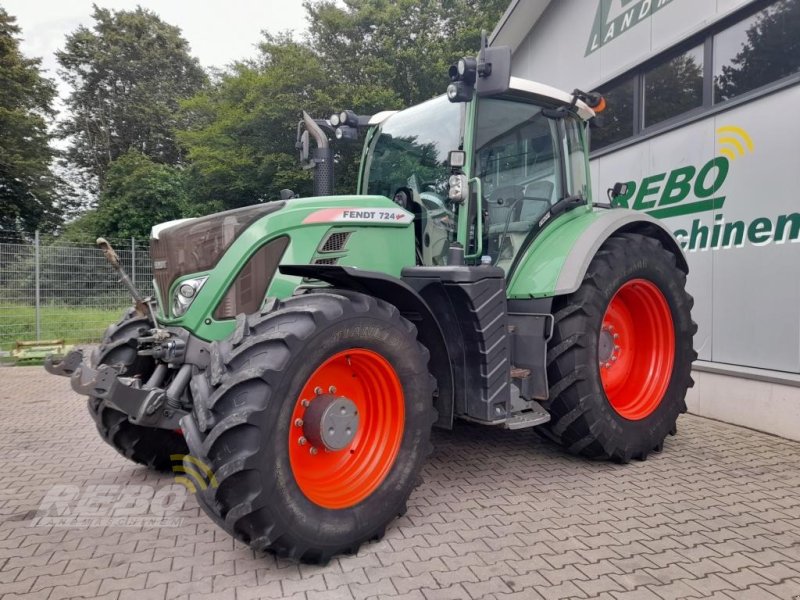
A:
<point x="724" y="62"/>
<point x="617" y="120"/>
<point x="757" y="50"/>
<point x="673" y="87"/>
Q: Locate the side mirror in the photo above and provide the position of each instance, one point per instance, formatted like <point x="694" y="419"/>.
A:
<point x="497" y="71"/>
<point x="619" y="189"/>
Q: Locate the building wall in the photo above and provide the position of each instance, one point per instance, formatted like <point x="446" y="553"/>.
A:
<point x="555" y="50"/>
<point x="745" y="278"/>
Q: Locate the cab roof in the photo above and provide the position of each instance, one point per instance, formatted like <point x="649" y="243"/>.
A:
<point x="547" y="91"/>
<point x="520" y="85"/>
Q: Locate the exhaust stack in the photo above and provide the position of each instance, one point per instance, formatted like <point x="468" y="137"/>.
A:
<point x="321" y="158"/>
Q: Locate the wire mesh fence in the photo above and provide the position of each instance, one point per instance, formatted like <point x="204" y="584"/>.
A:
<point x="52" y="289"/>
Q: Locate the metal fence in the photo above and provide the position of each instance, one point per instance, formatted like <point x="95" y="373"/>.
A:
<point x="53" y="289"/>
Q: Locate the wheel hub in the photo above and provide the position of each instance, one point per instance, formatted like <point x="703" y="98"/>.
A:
<point x="330" y="422"/>
<point x="608" y="348"/>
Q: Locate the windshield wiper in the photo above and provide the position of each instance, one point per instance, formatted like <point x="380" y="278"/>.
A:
<point x="567" y="203"/>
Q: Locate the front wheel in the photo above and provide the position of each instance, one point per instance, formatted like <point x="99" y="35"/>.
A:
<point x="619" y="361"/>
<point x="315" y="420"/>
<point x="144" y="445"/>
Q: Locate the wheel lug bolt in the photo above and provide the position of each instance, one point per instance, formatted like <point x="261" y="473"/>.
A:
<point x="301" y="440"/>
<point x="304" y="403"/>
<point x="298" y="422"/>
<point x="608" y="365"/>
<point x="332" y="390"/>
<point x="318" y="391"/>
<point x="616" y="348"/>
<point x="313" y="450"/>
<point x="613" y="358"/>
<point x="616" y="336"/>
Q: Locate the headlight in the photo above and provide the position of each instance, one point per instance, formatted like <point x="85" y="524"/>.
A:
<point x="185" y="295"/>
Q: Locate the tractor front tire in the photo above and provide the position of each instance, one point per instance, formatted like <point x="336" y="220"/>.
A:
<point x="144" y="445"/>
<point x="312" y="424"/>
<point x="619" y="360"/>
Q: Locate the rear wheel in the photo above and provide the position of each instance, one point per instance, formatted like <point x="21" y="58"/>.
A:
<point x="619" y="361"/>
<point x="315" y="420"/>
<point x="144" y="445"/>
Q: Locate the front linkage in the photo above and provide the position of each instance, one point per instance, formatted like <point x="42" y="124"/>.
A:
<point x="160" y="401"/>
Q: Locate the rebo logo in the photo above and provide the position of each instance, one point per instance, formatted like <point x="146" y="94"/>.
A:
<point x="690" y="189"/>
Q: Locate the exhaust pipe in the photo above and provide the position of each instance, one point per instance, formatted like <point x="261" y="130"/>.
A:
<point x="321" y="158"/>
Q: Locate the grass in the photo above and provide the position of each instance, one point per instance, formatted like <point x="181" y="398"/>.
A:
<point x="72" y="324"/>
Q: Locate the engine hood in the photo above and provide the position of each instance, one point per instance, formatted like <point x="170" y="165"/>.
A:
<point x="193" y="245"/>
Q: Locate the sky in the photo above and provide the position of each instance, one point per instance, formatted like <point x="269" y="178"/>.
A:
<point x="218" y="31"/>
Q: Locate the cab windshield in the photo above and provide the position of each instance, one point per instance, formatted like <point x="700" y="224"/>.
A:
<point x="526" y="162"/>
<point x="407" y="161"/>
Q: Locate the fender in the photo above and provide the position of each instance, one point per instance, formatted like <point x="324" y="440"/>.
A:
<point x="558" y="259"/>
<point x="412" y="306"/>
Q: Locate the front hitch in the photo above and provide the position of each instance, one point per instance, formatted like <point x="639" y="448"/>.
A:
<point x="64" y="366"/>
<point x="148" y="405"/>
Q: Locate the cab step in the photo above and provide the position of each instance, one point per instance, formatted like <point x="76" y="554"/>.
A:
<point x="533" y="415"/>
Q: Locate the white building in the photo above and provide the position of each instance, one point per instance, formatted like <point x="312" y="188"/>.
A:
<point x="702" y="123"/>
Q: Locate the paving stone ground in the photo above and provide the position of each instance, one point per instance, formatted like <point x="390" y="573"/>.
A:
<point x="500" y="515"/>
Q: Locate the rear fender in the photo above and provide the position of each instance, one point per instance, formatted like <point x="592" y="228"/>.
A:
<point x="558" y="259"/>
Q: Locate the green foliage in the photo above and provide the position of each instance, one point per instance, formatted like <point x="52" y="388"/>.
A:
<point x="367" y="55"/>
<point x="73" y="324"/>
<point x="403" y="46"/>
<point x="241" y="133"/>
<point x="26" y="183"/>
<point x="137" y="194"/>
<point x="127" y="75"/>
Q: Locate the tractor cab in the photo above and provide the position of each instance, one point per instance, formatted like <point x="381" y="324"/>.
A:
<point x="520" y="155"/>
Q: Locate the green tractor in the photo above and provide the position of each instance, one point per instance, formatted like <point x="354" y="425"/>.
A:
<point x="298" y="352"/>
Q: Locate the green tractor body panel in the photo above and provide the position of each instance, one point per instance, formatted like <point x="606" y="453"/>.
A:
<point x="381" y="239"/>
<point x="556" y="261"/>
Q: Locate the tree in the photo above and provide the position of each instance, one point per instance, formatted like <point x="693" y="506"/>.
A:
<point x="127" y="75"/>
<point x="26" y="182"/>
<point x="367" y="56"/>
<point x="137" y="193"/>
<point x="405" y="46"/>
<point x="241" y="134"/>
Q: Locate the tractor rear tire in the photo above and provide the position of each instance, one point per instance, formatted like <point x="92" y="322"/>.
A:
<point x="258" y="428"/>
<point x="144" y="445"/>
<point x="619" y="360"/>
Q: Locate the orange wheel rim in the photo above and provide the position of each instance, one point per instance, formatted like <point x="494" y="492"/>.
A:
<point x="636" y="349"/>
<point x="367" y="384"/>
